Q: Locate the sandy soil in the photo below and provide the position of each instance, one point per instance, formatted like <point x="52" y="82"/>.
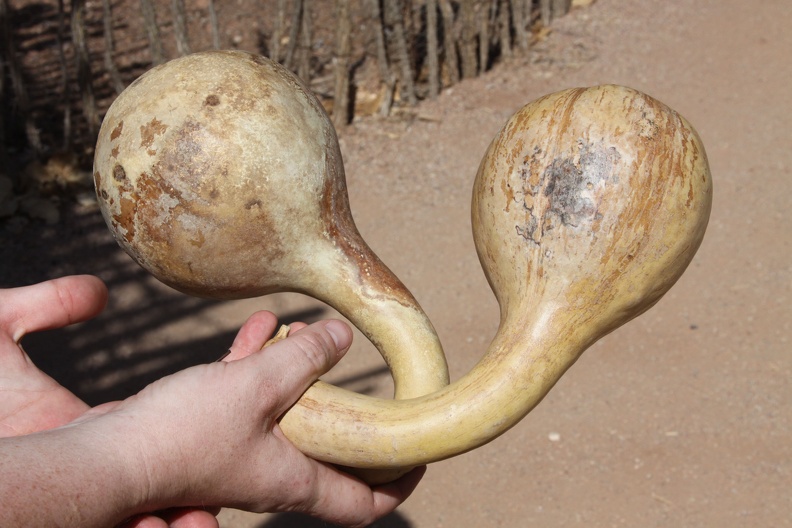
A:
<point x="681" y="418"/>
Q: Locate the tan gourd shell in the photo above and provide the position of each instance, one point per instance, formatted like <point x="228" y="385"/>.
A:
<point x="223" y="177"/>
<point x="588" y="206"/>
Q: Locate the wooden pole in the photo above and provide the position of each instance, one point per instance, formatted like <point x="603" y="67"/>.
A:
<point x="343" y="48"/>
<point x="432" y="62"/>
<point x="152" y="29"/>
<point x="449" y="41"/>
<point x="180" y="27"/>
<point x="394" y="19"/>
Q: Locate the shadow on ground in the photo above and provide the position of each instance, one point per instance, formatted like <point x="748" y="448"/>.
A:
<point x="296" y="520"/>
<point x="143" y="334"/>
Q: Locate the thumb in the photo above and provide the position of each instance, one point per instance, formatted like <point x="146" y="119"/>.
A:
<point x="51" y="304"/>
<point x="287" y="368"/>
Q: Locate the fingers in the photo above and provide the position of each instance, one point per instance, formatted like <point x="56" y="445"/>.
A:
<point x="144" y="521"/>
<point x="175" y="518"/>
<point x="345" y="500"/>
<point x="388" y="496"/>
<point x="252" y="336"/>
<point x="191" y="518"/>
<point x="287" y="368"/>
<point x="51" y="304"/>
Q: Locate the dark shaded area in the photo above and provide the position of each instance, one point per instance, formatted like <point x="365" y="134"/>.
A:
<point x="103" y="359"/>
<point x="55" y="53"/>
<point x="142" y="334"/>
<point x="61" y="354"/>
<point x="298" y="520"/>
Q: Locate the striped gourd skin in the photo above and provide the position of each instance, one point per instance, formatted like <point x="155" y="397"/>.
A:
<point x="587" y="207"/>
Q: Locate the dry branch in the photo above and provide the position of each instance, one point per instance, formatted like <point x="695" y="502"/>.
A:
<point x="107" y="24"/>
<point x="65" y="88"/>
<point x="305" y="47"/>
<point x="432" y="59"/>
<point x="383" y="64"/>
<point x="17" y="81"/>
<point x="467" y="39"/>
<point x="214" y="25"/>
<point x="449" y="42"/>
<point x="153" y="32"/>
<point x="394" y="20"/>
<point x="83" y="63"/>
<point x="277" y="29"/>
<point x="343" y="49"/>
<point x="294" y="33"/>
<point x="180" y="27"/>
<point x="504" y="26"/>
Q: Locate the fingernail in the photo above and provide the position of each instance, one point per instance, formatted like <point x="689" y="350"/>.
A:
<point x="339" y="332"/>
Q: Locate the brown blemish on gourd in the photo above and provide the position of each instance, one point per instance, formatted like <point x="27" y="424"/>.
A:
<point x="127" y="205"/>
<point x="183" y="158"/>
<point x="149" y="132"/>
<point x="211" y="100"/>
<point x="119" y="174"/>
<point x="508" y="192"/>
<point x="199" y="242"/>
<point x="126" y="217"/>
<point x="182" y="188"/>
<point x="337" y="219"/>
<point x="117" y="131"/>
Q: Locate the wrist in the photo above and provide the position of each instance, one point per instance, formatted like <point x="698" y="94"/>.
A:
<point x="82" y="474"/>
<point x="149" y="472"/>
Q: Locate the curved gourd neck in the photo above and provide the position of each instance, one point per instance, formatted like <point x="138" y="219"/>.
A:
<point x="518" y="370"/>
<point x="360" y="287"/>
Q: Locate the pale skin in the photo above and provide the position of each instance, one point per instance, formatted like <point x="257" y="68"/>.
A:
<point x="174" y="453"/>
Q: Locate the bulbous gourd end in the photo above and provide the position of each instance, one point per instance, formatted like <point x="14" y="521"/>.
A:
<point x="212" y="164"/>
<point x="590" y="201"/>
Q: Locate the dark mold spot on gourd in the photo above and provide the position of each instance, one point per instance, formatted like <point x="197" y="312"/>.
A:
<point x="567" y="186"/>
<point x="119" y="174"/>
<point x="211" y="100"/>
<point x="183" y="157"/>
<point x="563" y="189"/>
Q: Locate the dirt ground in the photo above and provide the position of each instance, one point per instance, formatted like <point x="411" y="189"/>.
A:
<point x="680" y="418"/>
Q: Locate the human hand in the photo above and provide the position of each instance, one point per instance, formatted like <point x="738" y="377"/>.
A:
<point x="32" y="401"/>
<point x="209" y="434"/>
<point x="206" y="436"/>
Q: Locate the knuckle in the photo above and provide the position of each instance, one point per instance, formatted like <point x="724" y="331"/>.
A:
<point x="314" y="348"/>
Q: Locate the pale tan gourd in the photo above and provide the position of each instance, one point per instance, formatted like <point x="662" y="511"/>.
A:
<point x="587" y="207"/>
<point x="221" y="175"/>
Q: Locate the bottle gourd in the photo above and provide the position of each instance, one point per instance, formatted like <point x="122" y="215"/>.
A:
<point x="221" y="174"/>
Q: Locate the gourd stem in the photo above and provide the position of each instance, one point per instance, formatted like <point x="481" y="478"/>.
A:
<point x="515" y="374"/>
<point x="388" y="315"/>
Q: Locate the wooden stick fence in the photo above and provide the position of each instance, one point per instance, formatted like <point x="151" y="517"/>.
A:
<point x="416" y="48"/>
